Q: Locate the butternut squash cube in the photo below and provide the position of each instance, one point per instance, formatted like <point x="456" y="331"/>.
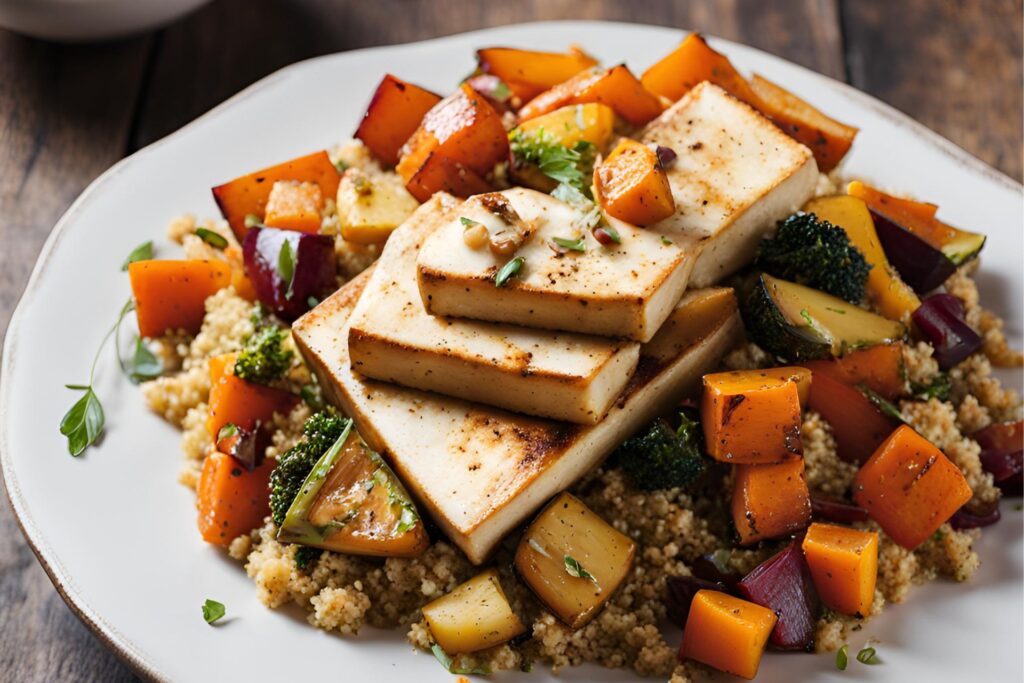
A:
<point x="751" y="417"/>
<point x="692" y="62"/>
<point x="726" y="632"/>
<point x="295" y="206"/>
<point x="474" y="616"/>
<point x="393" y="115"/>
<point x="769" y="501"/>
<point x="879" y="368"/>
<point x="591" y="122"/>
<point x="573" y="560"/>
<point x="633" y="186"/>
<point x="844" y="566"/>
<point x="616" y="87"/>
<point x="529" y="73"/>
<point x="910" y="487"/>
<point x="171" y="295"/>
<point x="245" y="404"/>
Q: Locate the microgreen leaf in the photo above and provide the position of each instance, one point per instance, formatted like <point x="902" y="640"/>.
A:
<point x="578" y="244"/>
<point x="212" y="611"/>
<point x="286" y="266"/>
<point x="214" y="239"/>
<point x="842" y="658"/>
<point x="449" y="664"/>
<point x="572" y="166"/>
<point x="143" y="252"/>
<point x="509" y="270"/>
<point x="228" y="430"/>
<point x="612" y="233"/>
<point x="468" y="222"/>
<point x="884" y="406"/>
<point x="867" y="656"/>
<point x="666" y="241"/>
<point x="144" y="364"/>
<point x="83" y="423"/>
<point x="569" y="194"/>
<point x="574" y="568"/>
<point x="501" y="92"/>
<point x="938" y="388"/>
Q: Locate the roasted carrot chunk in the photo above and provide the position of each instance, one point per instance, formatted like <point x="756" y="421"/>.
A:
<point x="769" y="501"/>
<point x="910" y="487"/>
<point x="689" y="64"/>
<point x="844" y="566"/>
<point x="528" y="73"/>
<point x="242" y="403"/>
<point x="231" y="500"/>
<point x="295" y="206"/>
<point x="248" y="194"/>
<point x="726" y="632"/>
<point x="633" y="186"/>
<point x="393" y="115"/>
<point x="857" y="424"/>
<point x="879" y="368"/>
<point x="828" y="139"/>
<point x="462" y="131"/>
<point x="751" y="417"/>
<point x="171" y="295"/>
<point x="617" y="87"/>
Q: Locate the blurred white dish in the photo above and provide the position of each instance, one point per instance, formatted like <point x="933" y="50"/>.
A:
<point x="86" y="20"/>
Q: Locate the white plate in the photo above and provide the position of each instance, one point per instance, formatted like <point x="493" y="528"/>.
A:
<point x="117" y="534"/>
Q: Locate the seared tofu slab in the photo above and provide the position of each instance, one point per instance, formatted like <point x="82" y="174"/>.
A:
<point x="735" y="176"/>
<point x="392" y="337"/>
<point x="480" y="471"/>
<point x="620" y="290"/>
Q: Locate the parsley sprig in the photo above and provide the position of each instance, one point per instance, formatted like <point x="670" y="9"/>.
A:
<point x="571" y="167"/>
<point x="213" y="610"/>
<point x="575" y="569"/>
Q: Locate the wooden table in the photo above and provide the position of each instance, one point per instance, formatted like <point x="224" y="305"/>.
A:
<point x="69" y="112"/>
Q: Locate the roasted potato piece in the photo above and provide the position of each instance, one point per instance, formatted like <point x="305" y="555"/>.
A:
<point x="573" y="560"/>
<point x="528" y="73"/>
<point x="393" y="115"/>
<point x="633" y="186"/>
<point x="617" y="87"/>
<point x="370" y="207"/>
<point x="474" y="616"/>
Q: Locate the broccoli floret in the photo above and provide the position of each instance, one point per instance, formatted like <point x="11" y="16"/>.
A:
<point x="660" y="457"/>
<point x="305" y="556"/>
<point x="319" y="433"/>
<point x="263" y="357"/>
<point x="815" y="253"/>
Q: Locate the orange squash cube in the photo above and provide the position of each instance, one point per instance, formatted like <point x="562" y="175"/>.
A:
<point x="393" y="115"/>
<point x="632" y="185"/>
<point x="769" y="501"/>
<point x="793" y="373"/>
<point x="443" y="174"/>
<point x="751" y="417"/>
<point x="689" y="64"/>
<point x="231" y="500"/>
<point x="244" y="404"/>
<point x="726" y="633"/>
<point x="879" y="368"/>
<point x="527" y="73"/>
<point x="858" y="426"/>
<point x="295" y="206"/>
<point x="171" y="295"/>
<point x="910" y="487"/>
<point x="844" y="566"/>
<point x="617" y="87"/>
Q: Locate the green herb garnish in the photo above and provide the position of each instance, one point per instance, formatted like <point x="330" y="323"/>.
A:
<point x="509" y="270"/>
<point x="501" y="92"/>
<point x="578" y="244"/>
<point x="939" y="388"/>
<point x="312" y="395"/>
<point x="574" y="568"/>
<point x="884" y="406"/>
<point x="468" y="222"/>
<point x="228" y="430"/>
<point x="214" y="239"/>
<point x="449" y="664"/>
<point x="286" y="266"/>
<point x="341" y="166"/>
<point x="212" y="611"/>
<point x="867" y="656"/>
<point x="143" y="252"/>
<point x="842" y="658"/>
<point x="144" y="365"/>
<point x="666" y="241"/>
<point x="571" y="166"/>
<point x="263" y="358"/>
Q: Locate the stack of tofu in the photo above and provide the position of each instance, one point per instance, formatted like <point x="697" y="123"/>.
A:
<point x="489" y="400"/>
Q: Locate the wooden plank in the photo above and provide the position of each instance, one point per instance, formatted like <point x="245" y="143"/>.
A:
<point x="953" y="66"/>
<point x="64" y="118"/>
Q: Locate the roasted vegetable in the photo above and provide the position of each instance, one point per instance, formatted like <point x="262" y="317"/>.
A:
<point x="352" y="503"/>
<point x="573" y="560"/>
<point x="171" y="295"/>
<point x="591" y="123"/>
<point x="784" y="585"/>
<point x="680" y="593"/>
<point x="857" y="424"/>
<point x="844" y="565"/>
<point x="879" y="368"/>
<point x="689" y="64"/>
<point x="474" y="616"/>
<point x="891" y="296"/>
<point x="751" y="417"/>
<point x="370" y="207"/>
<point x="800" y="323"/>
<point x="295" y="206"/>
<point x="263" y="357"/>
<point x="940" y="318"/>
<point x="1003" y="454"/>
<point x="527" y="73"/>
<point x="319" y="433"/>
<point x="770" y="501"/>
<point x="291" y="271"/>
<point x="910" y="487"/>
<point x="393" y="115"/>
<point x="241" y="403"/>
<point x="231" y="500"/>
<point x="248" y="195"/>
<point x="632" y="184"/>
<point x="617" y="87"/>
<point x="817" y="254"/>
<point x="661" y="457"/>
<point x="726" y="633"/>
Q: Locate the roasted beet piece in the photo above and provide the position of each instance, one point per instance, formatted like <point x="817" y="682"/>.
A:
<point x="784" y="585"/>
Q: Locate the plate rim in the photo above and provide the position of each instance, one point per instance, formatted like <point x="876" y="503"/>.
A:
<point x="112" y="639"/>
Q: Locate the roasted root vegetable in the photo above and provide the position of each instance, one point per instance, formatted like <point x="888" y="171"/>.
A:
<point x="474" y="616"/>
<point x="370" y="207"/>
<point x="294" y="206"/>
<point x="751" y="417"/>
<point x="352" y="503"/>
<point x="244" y="404"/>
<point x="726" y="633"/>
<point x="291" y="271"/>
<point x="248" y="195"/>
<point x="393" y="115"/>
<point x="232" y="500"/>
<point x="844" y="565"/>
<point x="591" y="122"/>
<point x="940" y="319"/>
<point x="791" y="373"/>
<point x="462" y="133"/>
<point x="617" y="87"/>
<point x="689" y="64"/>
<point x="171" y="295"/>
<point x="910" y="487"/>
<point x="1002" y="454"/>
<point x="857" y="424"/>
<point x="573" y="560"/>
<point x="632" y="185"/>
<point x="827" y="138"/>
<point x="800" y="323"/>
<point x="784" y="585"/>
<point x="879" y="368"/>
<point x="770" y="501"/>
<point x="891" y="296"/>
<point x="528" y="73"/>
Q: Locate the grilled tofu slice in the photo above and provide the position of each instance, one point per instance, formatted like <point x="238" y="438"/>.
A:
<point x="480" y="472"/>
<point x="563" y="376"/>
<point x="736" y="175"/>
<point x="622" y="290"/>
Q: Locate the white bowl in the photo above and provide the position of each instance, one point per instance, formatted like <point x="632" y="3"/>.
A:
<point x="85" y="20"/>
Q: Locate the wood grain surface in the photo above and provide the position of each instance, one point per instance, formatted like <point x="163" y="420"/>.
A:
<point x="69" y="112"/>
